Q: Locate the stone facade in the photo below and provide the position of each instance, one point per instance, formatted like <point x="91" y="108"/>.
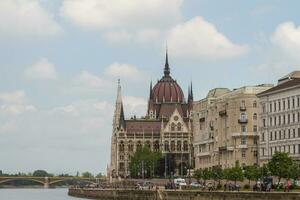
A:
<point x="280" y="118"/>
<point x="166" y="127"/>
<point x="225" y="125"/>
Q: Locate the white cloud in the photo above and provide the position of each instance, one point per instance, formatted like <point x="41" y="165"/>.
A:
<point x="124" y="21"/>
<point x="16" y="109"/>
<point x="125" y="71"/>
<point x="91" y="81"/>
<point x="15" y="97"/>
<point x="199" y="39"/>
<point x="287" y="38"/>
<point x="103" y="14"/>
<point x="282" y="56"/>
<point x="41" y="70"/>
<point x="26" y="18"/>
<point x="13" y="103"/>
<point x="135" y="105"/>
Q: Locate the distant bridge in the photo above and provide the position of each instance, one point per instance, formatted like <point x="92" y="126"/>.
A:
<point x="47" y="181"/>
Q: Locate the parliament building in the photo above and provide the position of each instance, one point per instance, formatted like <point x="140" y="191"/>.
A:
<point x="166" y="128"/>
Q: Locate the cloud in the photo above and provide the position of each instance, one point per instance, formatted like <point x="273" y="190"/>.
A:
<point x="124" y="21"/>
<point x="102" y="14"/>
<point x="13" y="103"/>
<point x="41" y="70"/>
<point x="91" y="81"/>
<point x="199" y="39"/>
<point x="287" y="38"/>
<point x="26" y="18"/>
<point x="124" y="71"/>
<point x="134" y="105"/>
<point x="282" y="55"/>
<point x="15" y="97"/>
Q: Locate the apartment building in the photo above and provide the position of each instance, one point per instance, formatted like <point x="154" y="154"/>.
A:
<point x="225" y="126"/>
<point x="280" y="118"/>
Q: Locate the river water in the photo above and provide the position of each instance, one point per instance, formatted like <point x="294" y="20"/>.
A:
<point x="35" y="194"/>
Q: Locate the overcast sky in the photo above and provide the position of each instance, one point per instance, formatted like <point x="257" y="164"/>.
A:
<point x="60" y="61"/>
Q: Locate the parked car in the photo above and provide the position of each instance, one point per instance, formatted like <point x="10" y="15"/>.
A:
<point x="196" y="185"/>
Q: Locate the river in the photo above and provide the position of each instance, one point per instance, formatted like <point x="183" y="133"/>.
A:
<point x="35" y="194"/>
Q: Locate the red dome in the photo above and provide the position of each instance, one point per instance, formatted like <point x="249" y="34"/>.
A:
<point x="167" y="90"/>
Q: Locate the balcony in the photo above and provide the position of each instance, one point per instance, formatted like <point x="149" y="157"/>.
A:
<point x="243" y="108"/>
<point x="207" y="153"/>
<point x="242" y="146"/>
<point x="243" y="120"/>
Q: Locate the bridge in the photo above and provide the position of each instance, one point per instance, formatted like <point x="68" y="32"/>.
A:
<point x="47" y="181"/>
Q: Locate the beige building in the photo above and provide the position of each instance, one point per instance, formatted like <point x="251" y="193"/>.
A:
<point x="225" y="126"/>
<point x="280" y="118"/>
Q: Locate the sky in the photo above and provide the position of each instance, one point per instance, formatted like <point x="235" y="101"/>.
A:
<point x="60" y="61"/>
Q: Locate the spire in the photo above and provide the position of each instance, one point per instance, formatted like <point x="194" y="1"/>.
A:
<point x="192" y="96"/>
<point x="167" y="68"/>
<point x="119" y="94"/>
<point x="189" y="94"/>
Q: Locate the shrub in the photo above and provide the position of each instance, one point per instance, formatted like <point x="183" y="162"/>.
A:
<point x="246" y="186"/>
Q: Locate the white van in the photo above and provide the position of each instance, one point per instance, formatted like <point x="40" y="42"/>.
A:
<point x="180" y="182"/>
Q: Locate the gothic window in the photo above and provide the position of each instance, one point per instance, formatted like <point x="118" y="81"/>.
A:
<point x="156" y="146"/>
<point x="179" y="127"/>
<point x="148" y="144"/>
<point x="121" y="166"/>
<point x="139" y="145"/>
<point x="167" y="146"/>
<point x="172" y="127"/>
<point x="185" y="146"/>
<point x="178" y="145"/>
<point x="130" y="146"/>
<point x="122" y="157"/>
<point x="172" y="145"/>
<point x="121" y="146"/>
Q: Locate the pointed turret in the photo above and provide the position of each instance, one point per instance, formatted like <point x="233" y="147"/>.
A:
<point x="167" y="68"/>
<point x="151" y="93"/>
<point x="119" y="112"/>
<point x="192" y="96"/>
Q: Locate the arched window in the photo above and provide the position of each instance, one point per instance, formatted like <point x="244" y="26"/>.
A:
<point x="121" y="146"/>
<point x="139" y="145"/>
<point x="148" y="144"/>
<point x="156" y="146"/>
<point x="130" y="146"/>
<point x="254" y="104"/>
<point x="185" y="146"/>
<point x="179" y="127"/>
<point x="172" y="145"/>
<point x="172" y="127"/>
<point x="254" y="116"/>
<point x="167" y="146"/>
<point x="178" y="145"/>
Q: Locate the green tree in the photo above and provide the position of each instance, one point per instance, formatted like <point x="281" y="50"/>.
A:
<point x="249" y="172"/>
<point x="144" y="163"/>
<point x="87" y="175"/>
<point x="294" y="171"/>
<point x="264" y="171"/>
<point x="236" y="173"/>
<point x="280" y="165"/>
<point x="198" y="174"/>
<point x="100" y="175"/>
<point x="217" y="173"/>
<point x="206" y="174"/>
<point x="40" y="173"/>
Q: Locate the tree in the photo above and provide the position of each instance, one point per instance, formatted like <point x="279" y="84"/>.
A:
<point x="87" y="175"/>
<point x="206" y="174"/>
<point x="100" y="175"/>
<point x="280" y="165"/>
<point x="198" y="174"/>
<point x="217" y="173"/>
<point x="264" y="171"/>
<point x="294" y="171"/>
<point x="249" y="172"/>
<point x="236" y="173"/>
<point x="40" y="173"/>
<point x="144" y="163"/>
